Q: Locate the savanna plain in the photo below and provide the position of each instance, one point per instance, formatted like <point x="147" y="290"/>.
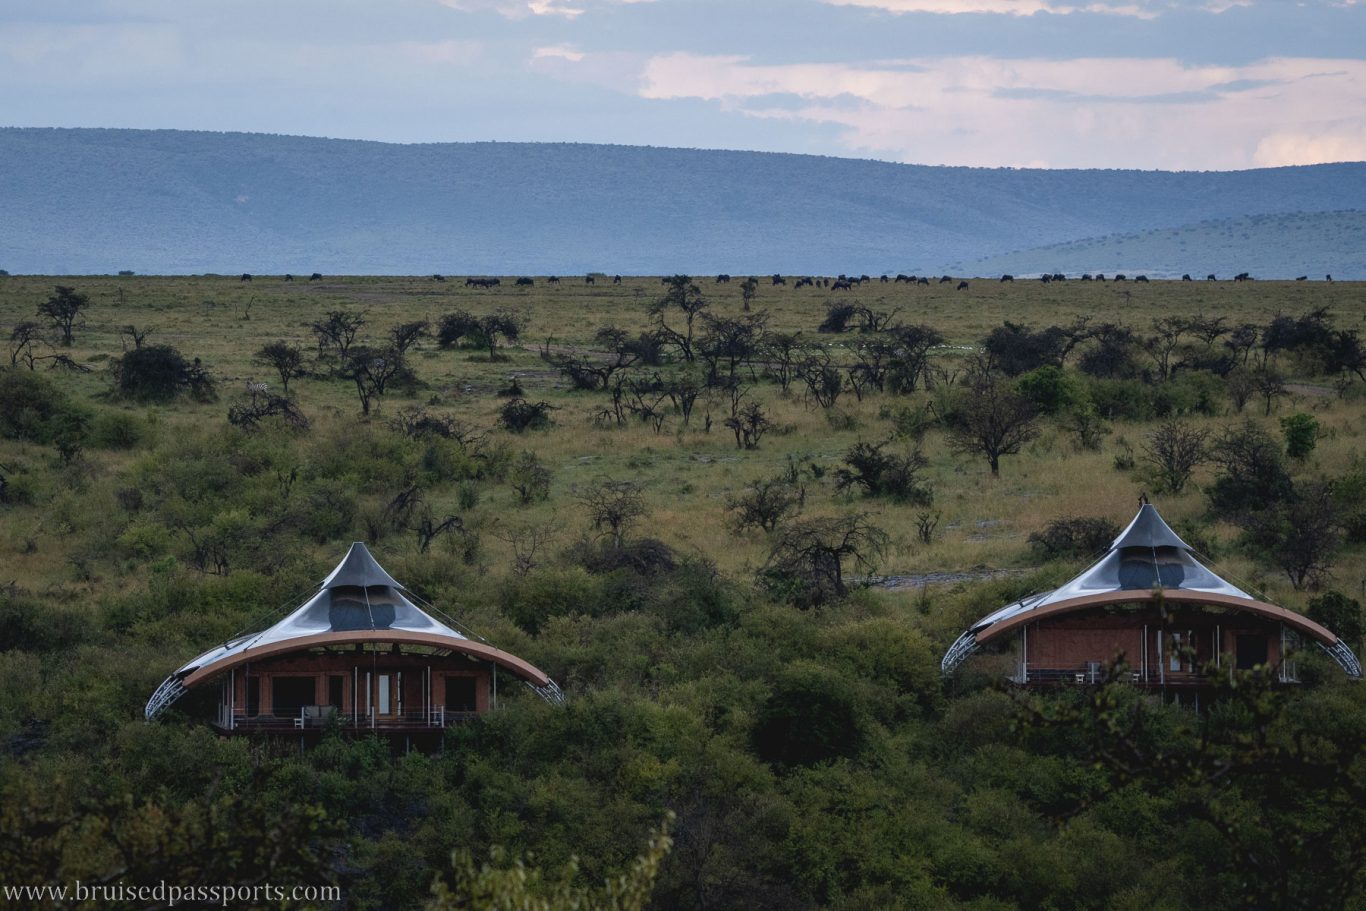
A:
<point x="739" y="523"/>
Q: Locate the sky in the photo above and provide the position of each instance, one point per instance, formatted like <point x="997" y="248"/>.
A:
<point x="1150" y="84"/>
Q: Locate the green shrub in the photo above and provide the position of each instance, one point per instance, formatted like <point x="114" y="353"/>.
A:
<point x="1054" y="390"/>
<point x="810" y="717"/>
<point x="1301" y="432"/>
<point x="1340" y="614"/>
<point x="519" y="415"/>
<point x="531" y="600"/>
<point x="1122" y="399"/>
<point x="115" y="430"/>
<point x="32" y="408"/>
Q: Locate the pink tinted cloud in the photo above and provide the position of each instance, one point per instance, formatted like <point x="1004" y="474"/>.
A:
<point x="982" y="111"/>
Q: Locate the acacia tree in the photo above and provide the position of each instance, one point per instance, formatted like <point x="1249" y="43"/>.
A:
<point x="65" y="309"/>
<point x="1174" y="449"/>
<point x="22" y="339"/>
<point x="749" y="290"/>
<point x="501" y="324"/>
<point x="285" y="359"/>
<point x="372" y="370"/>
<point x="405" y="335"/>
<point x="586" y="371"/>
<point x="806" y="564"/>
<point x="613" y="507"/>
<point x="765" y="503"/>
<point x="685" y="297"/>
<point x="910" y="363"/>
<point x="338" y="330"/>
<point x="727" y="345"/>
<point x="1300" y="533"/>
<point x="994" y="420"/>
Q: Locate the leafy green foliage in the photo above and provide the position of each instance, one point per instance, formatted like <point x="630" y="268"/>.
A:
<point x="1301" y="432"/>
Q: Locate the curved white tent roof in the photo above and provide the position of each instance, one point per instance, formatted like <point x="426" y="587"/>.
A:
<point x="1147" y="558"/>
<point x="357" y="602"/>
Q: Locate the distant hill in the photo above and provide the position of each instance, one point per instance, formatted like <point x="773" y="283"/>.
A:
<point x="77" y="201"/>
<point x="1271" y="246"/>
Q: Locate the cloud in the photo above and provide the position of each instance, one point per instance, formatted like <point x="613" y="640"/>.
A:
<point x="559" y="52"/>
<point x="522" y="9"/>
<point x="1003" y="7"/>
<point x="1329" y="144"/>
<point x="986" y="111"/>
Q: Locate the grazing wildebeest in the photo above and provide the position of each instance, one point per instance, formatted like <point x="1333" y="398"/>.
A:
<point x="588" y="280"/>
<point x="1302" y="278"/>
<point x="1210" y="278"/>
<point x="553" y="280"/>
<point x="862" y="279"/>
<point x="288" y="277"/>
<point x="616" y="279"/>
<point x="778" y="279"/>
<point x="1119" y="277"/>
<point x="962" y="286"/>
<point x="1059" y="277"/>
<point x="1045" y="278"/>
<point x="246" y="277"/>
<point x="841" y="285"/>
<point x="1328" y="277"/>
<point x="438" y="277"/>
<point x="901" y="277"/>
<point x="483" y="282"/>
<point x="1141" y="278"/>
<point x="1186" y="277"/>
<point x="1100" y="277"/>
<point x="1242" y="277"/>
<point x="523" y="281"/>
<point x="1086" y="276"/>
<point x="722" y="279"/>
<point x="922" y="280"/>
<point x="1007" y="277"/>
<point x="884" y="279"/>
<point x="316" y="277"/>
<point x="945" y="278"/>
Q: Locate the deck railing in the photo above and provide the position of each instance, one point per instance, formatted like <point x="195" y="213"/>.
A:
<point x="313" y="717"/>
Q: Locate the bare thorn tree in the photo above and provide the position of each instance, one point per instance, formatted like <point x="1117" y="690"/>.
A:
<point x="807" y="563"/>
<point x="134" y="335"/>
<point x="1174" y="450"/>
<point x="22" y="340"/>
<point x="995" y="420"/>
<point x="405" y="335"/>
<point x="613" y="507"/>
<point x="527" y="543"/>
<point x="530" y="478"/>
<point x="764" y="504"/>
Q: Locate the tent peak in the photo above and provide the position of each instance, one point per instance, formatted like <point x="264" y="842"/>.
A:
<point x="1148" y="529"/>
<point x="359" y="568"/>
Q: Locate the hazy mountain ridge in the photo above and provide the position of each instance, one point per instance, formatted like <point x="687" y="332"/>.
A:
<point x="75" y="201"/>
<point x="1313" y="245"/>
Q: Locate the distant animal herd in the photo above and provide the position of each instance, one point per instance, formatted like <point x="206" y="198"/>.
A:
<point x="840" y="282"/>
